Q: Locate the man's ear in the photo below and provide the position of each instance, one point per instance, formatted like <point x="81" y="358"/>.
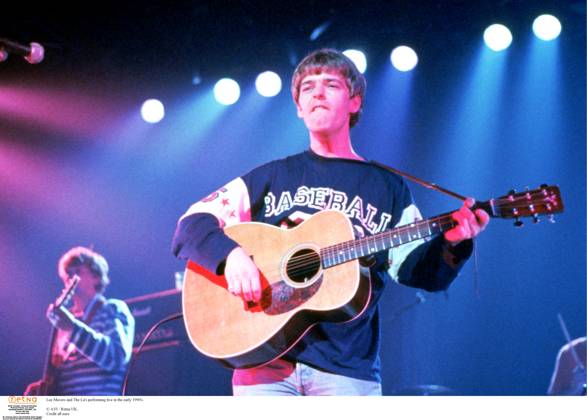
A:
<point x="355" y="105"/>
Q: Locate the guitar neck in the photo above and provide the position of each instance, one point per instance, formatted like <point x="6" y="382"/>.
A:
<point x="531" y="203"/>
<point x="352" y="250"/>
<point x="48" y="369"/>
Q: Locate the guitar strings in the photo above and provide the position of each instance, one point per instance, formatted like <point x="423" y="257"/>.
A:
<point x="350" y="246"/>
<point x="332" y="250"/>
<point x="299" y="264"/>
<point x="422" y="223"/>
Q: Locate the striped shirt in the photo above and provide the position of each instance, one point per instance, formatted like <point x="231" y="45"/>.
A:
<point x="101" y="351"/>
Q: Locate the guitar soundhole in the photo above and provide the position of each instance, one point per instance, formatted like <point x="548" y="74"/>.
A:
<point x="303" y="266"/>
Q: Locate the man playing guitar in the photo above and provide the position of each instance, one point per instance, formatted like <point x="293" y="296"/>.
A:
<point x="330" y="358"/>
<point x="92" y="337"/>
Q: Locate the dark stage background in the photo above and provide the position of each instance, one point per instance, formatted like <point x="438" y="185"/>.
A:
<point x="79" y="166"/>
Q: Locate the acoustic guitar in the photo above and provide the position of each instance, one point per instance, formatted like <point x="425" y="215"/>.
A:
<point x="310" y="274"/>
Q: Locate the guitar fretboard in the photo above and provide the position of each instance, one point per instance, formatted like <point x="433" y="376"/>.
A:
<point x="351" y="250"/>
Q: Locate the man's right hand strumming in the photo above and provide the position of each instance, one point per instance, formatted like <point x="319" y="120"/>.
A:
<point x="242" y="276"/>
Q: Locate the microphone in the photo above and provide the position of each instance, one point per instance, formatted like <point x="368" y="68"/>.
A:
<point x="34" y="53"/>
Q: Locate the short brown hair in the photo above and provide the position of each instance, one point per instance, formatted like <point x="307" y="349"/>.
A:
<point x="327" y="59"/>
<point x="80" y="255"/>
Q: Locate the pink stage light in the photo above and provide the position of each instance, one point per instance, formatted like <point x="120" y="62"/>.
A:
<point x="69" y="113"/>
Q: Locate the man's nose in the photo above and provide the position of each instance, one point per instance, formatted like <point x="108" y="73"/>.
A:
<point x="319" y="90"/>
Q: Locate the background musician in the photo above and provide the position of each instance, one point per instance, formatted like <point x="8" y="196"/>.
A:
<point x="94" y="335"/>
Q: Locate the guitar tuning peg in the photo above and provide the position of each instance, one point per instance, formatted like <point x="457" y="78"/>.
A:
<point x="551" y="218"/>
<point x="518" y="223"/>
<point x="528" y="194"/>
<point x="535" y="218"/>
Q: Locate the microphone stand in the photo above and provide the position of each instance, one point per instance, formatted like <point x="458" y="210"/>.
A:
<point x="579" y="372"/>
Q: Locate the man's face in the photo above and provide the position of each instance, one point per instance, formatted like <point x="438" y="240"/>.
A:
<point x="88" y="280"/>
<point x="324" y="103"/>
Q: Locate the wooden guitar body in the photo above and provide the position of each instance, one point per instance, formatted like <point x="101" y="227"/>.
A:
<point x="243" y="335"/>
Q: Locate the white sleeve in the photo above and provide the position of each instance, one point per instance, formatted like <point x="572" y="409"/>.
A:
<point x="398" y="254"/>
<point x="230" y="204"/>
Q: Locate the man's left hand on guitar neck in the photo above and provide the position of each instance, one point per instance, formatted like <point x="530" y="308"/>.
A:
<point x="470" y="223"/>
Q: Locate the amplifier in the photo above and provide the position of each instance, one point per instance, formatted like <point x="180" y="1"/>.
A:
<point x="168" y="363"/>
<point x="152" y="308"/>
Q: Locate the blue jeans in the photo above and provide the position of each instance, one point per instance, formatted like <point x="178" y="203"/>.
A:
<point x="284" y="378"/>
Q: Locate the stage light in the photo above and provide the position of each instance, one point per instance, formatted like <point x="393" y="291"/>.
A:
<point x="196" y="78"/>
<point x="497" y="37"/>
<point x="226" y="91"/>
<point x="152" y="111"/>
<point x="404" y="58"/>
<point x="546" y="27"/>
<point x="268" y="84"/>
<point x="358" y="58"/>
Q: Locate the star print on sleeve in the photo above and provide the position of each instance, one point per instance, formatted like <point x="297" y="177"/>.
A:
<point x="230" y="204"/>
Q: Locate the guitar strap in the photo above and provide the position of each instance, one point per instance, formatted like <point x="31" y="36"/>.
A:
<point x="426" y="184"/>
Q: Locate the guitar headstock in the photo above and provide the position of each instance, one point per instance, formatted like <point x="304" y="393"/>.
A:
<point x="67" y="292"/>
<point x="545" y="200"/>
